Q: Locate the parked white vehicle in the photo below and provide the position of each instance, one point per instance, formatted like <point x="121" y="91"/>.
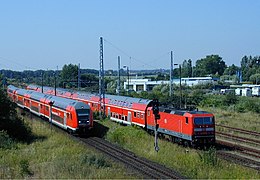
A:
<point x="238" y="91"/>
<point x="256" y="91"/>
<point x="246" y="92"/>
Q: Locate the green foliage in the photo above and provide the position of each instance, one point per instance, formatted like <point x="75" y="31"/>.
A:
<point x="239" y="104"/>
<point x="231" y="70"/>
<point x="250" y="66"/>
<point x="24" y="167"/>
<point x="209" y="157"/>
<point x="186" y="70"/>
<point x="10" y="122"/>
<point x="211" y="65"/>
<point x="5" y="141"/>
<point x="69" y="73"/>
<point x="93" y="160"/>
<point x="255" y="78"/>
<point x="246" y="104"/>
<point x="230" y="99"/>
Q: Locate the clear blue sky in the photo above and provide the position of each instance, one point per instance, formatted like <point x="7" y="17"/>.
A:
<point x="44" y="34"/>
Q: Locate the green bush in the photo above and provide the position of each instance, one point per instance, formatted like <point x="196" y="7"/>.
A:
<point x="209" y="157"/>
<point x="24" y="168"/>
<point x="5" y="141"/>
<point x="10" y="122"/>
<point x="93" y="160"/>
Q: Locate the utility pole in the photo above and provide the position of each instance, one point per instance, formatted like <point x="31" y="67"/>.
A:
<point x="118" y="76"/>
<point x="171" y="69"/>
<point x="128" y="79"/>
<point x="102" y="109"/>
<point x="42" y="81"/>
<point x="180" y="86"/>
<point x="55" y="85"/>
<point x="79" y="76"/>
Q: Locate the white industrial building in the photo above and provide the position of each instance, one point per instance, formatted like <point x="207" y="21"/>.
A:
<point x="147" y="84"/>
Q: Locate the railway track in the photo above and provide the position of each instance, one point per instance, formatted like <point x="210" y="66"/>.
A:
<point x="240" y="130"/>
<point x="148" y="168"/>
<point x="244" y="146"/>
<point x="244" y="150"/>
<point x="239" y="160"/>
<point x="238" y="138"/>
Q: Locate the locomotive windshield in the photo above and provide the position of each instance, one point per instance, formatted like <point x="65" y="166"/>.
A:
<point x="83" y="115"/>
<point x="203" y="120"/>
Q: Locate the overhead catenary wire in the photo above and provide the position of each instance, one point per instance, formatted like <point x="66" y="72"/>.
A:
<point x="132" y="57"/>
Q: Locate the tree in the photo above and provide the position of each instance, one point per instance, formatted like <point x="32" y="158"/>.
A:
<point x="250" y="66"/>
<point x="255" y="78"/>
<point x="211" y="65"/>
<point x="69" y="73"/>
<point x="9" y="120"/>
<point x="187" y="68"/>
<point x="231" y="70"/>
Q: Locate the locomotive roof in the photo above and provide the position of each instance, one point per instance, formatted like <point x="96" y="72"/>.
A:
<point x="181" y="112"/>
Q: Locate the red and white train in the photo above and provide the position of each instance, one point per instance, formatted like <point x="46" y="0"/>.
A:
<point x="188" y="127"/>
<point x="71" y="115"/>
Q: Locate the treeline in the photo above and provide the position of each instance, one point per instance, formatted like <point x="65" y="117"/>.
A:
<point x="67" y="77"/>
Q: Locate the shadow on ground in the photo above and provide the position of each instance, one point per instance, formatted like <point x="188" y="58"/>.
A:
<point x="99" y="130"/>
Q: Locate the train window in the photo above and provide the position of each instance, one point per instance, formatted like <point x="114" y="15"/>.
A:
<point x="123" y="117"/>
<point x="68" y="115"/>
<point x="111" y="114"/>
<point x="148" y="113"/>
<point x="142" y="116"/>
<point x="138" y="115"/>
<point x="203" y="120"/>
<point x="126" y="118"/>
<point x="134" y="114"/>
<point x="120" y="116"/>
<point x="187" y="120"/>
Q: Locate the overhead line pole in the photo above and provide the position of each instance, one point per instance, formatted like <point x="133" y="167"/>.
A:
<point x="118" y="76"/>
<point x="101" y="82"/>
<point x="171" y="69"/>
<point x="79" y="77"/>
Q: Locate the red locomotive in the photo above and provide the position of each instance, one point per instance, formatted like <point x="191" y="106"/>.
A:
<point x="187" y="127"/>
<point x="71" y="115"/>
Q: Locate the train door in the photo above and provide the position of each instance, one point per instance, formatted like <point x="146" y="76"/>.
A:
<point x="108" y="112"/>
<point x="129" y="117"/>
<point x="65" y="120"/>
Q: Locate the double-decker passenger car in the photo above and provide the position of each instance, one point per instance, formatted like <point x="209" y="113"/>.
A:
<point x="183" y="126"/>
<point x="71" y="115"/>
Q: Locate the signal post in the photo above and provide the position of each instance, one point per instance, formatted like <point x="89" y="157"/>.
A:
<point x="156" y="117"/>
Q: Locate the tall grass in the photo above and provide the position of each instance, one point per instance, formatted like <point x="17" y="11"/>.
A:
<point x="247" y="120"/>
<point x="189" y="162"/>
<point x="53" y="155"/>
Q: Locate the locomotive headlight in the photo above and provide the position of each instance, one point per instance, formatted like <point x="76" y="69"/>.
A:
<point x="79" y="121"/>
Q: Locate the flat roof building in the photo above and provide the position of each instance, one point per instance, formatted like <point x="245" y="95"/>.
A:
<point x="147" y="84"/>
